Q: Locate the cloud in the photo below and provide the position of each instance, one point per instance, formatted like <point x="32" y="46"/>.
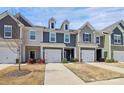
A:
<point x="99" y="17"/>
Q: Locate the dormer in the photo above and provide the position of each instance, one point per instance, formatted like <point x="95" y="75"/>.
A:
<point x="52" y="23"/>
<point x="65" y="25"/>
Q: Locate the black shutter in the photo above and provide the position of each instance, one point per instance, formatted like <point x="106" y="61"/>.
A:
<point x="90" y="37"/>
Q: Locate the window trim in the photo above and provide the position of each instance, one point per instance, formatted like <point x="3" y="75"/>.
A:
<point x="99" y="39"/>
<point x="88" y="38"/>
<point x="30" y="36"/>
<point x="7" y="31"/>
<point x="64" y="37"/>
<point x="117" y="39"/>
<point x="50" y="36"/>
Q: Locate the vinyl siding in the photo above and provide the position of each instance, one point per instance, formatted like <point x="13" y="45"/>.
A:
<point x="60" y="38"/>
<point x="118" y="32"/>
<point x="15" y="28"/>
<point x="86" y="29"/>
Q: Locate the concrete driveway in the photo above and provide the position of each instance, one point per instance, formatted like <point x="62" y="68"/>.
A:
<point x="58" y="74"/>
<point x="3" y="66"/>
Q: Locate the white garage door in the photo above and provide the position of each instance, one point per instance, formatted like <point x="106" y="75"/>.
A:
<point x="52" y="55"/>
<point x="8" y="55"/>
<point x="87" y="55"/>
<point x="118" y="55"/>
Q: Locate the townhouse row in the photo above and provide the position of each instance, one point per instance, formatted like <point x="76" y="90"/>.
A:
<point x="19" y="38"/>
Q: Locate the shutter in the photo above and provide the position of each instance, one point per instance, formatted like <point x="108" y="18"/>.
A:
<point x="90" y="37"/>
<point x="83" y="37"/>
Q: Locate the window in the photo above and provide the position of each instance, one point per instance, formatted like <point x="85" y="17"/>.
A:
<point x="117" y="39"/>
<point x="87" y="37"/>
<point x="97" y="40"/>
<point x="32" y="35"/>
<point x="7" y="31"/>
<point x="66" y="38"/>
<point x="52" y="25"/>
<point x="52" y="37"/>
<point x="66" y="27"/>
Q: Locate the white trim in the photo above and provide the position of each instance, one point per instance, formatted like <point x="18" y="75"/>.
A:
<point x="109" y="54"/>
<point x="50" y="36"/>
<point x="83" y="37"/>
<point x="41" y="52"/>
<point x="30" y="36"/>
<point x="68" y="36"/>
<point x="117" y="39"/>
<point x="7" y="31"/>
<point x="75" y="53"/>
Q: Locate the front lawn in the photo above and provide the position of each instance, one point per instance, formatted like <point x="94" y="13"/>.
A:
<point x="89" y="73"/>
<point x="116" y="64"/>
<point x="30" y="75"/>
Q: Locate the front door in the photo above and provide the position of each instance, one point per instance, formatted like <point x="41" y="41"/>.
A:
<point x="98" y="54"/>
<point x="32" y="54"/>
<point x="69" y="54"/>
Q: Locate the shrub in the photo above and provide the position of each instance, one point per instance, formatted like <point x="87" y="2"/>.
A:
<point x="64" y="60"/>
<point x="74" y="60"/>
<point x="111" y="61"/>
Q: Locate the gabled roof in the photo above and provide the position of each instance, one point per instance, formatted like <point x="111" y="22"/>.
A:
<point x="52" y="19"/>
<point x="87" y="24"/>
<point x="6" y="13"/>
<point x="20" y="15"/>
<point x="110" y="28"/>
<point x="65" y="22"/>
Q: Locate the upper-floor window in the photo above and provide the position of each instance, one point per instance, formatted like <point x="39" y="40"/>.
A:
<point x="66" y="27"/>
<point x="117" y="39"/>
<point x="66" y="38"/>
<point x="7" y="31"/>
<point x="52" y="37"/>
<point x="32" y="35"/>
<point x="86" y="37"/>
<point x="97" y="40"/>
<point x="52" y="25"/>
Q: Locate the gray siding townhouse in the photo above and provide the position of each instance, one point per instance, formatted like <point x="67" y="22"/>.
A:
<point x="89" y="45"/>
<point x="19" y="36"/>
<point x="114" y="41"/>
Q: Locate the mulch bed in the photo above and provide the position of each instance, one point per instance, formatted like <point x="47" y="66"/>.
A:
<point x="17" y="73"/>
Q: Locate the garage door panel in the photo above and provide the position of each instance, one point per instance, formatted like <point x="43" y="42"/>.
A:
<point x="87" y="55"/>
<point x="52" y="55"/>
<point x="118" y="55"/>
<point x="7" y="55"/>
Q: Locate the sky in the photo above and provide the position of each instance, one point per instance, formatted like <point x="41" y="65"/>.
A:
<point x="99" y="17"/>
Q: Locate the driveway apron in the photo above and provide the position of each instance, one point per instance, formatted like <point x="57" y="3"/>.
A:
<point x="58" y="74"/>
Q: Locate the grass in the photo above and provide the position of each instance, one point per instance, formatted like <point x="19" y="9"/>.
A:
<point x="36" y="77"/>
<point x="116" y="64"/>
<point x="89" y="73"/>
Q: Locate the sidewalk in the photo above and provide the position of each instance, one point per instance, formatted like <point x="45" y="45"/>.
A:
<point x="58" y="74"/>
<point x="3" y="66"/>
<point x="102" y="65"/>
